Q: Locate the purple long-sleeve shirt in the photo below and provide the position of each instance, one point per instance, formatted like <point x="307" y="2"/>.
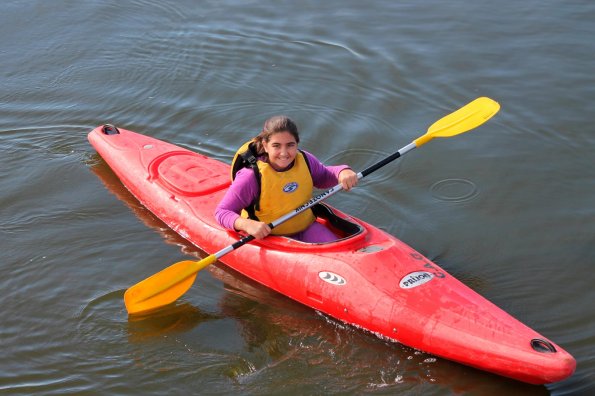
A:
<point x="244" y="189"/>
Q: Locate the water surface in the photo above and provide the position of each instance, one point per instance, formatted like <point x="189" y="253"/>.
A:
<point x="508" y="209"/>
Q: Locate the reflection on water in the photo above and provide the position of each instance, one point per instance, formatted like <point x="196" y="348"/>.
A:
<point x="174" y="318"/>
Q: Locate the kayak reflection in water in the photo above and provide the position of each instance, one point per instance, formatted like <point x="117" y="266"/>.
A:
<point x="271" y="177"/>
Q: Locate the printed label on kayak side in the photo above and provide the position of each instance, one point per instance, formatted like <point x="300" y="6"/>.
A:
<point x="415" y="279"/>
<point x="332" y="278"/>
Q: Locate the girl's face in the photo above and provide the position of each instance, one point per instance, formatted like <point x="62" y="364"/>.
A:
<point x="282" y="149"/>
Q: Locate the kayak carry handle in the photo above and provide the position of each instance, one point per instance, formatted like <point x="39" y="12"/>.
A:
<point x="543" y="346"/>
<point x="109" y="129"/>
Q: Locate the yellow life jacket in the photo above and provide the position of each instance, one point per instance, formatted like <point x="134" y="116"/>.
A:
<point x="280" y="192"/>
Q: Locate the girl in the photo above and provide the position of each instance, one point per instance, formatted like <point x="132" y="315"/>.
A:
<point x="271" y="177"/>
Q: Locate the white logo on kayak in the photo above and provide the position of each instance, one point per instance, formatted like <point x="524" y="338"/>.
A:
<point x="332" y="278"/>
<point x="290" y="187"/>
<point x="415" y="279"/>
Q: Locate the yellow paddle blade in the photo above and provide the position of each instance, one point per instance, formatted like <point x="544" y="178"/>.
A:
<point x="165" y="286"/>
<point x="463" y="120"/>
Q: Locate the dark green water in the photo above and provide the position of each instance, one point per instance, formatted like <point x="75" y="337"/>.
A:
<point x="508" y="209"/>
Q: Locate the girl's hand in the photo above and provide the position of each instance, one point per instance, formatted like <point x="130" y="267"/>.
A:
<point x="257" y="229"/>
<point x="348" y="179"/>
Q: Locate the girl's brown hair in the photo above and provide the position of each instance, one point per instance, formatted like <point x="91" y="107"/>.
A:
<point x="274" y="125"/>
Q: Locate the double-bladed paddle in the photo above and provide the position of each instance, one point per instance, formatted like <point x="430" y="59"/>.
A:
<point x="168" y="285"/>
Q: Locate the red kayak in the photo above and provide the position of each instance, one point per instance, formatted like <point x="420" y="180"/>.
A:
<point x="368" y="278"/>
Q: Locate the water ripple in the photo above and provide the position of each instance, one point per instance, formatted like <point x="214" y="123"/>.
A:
<point x="454" y="190"/>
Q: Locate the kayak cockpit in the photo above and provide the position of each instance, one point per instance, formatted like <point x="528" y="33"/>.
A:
<point x="351" y="233"/>
<point x="341" y="226"/>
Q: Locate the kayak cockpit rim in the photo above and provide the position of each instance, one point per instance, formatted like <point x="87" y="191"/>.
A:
<point x="350" y="232"/>
<point x="342" y="226"/>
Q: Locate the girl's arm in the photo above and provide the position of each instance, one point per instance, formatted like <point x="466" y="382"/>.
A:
<point x="241" y="194"/>
<point x="328" y="176"/>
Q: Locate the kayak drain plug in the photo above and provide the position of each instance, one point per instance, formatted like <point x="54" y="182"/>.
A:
<point x="542" y="346"/>
<point x="109" y="129"/>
